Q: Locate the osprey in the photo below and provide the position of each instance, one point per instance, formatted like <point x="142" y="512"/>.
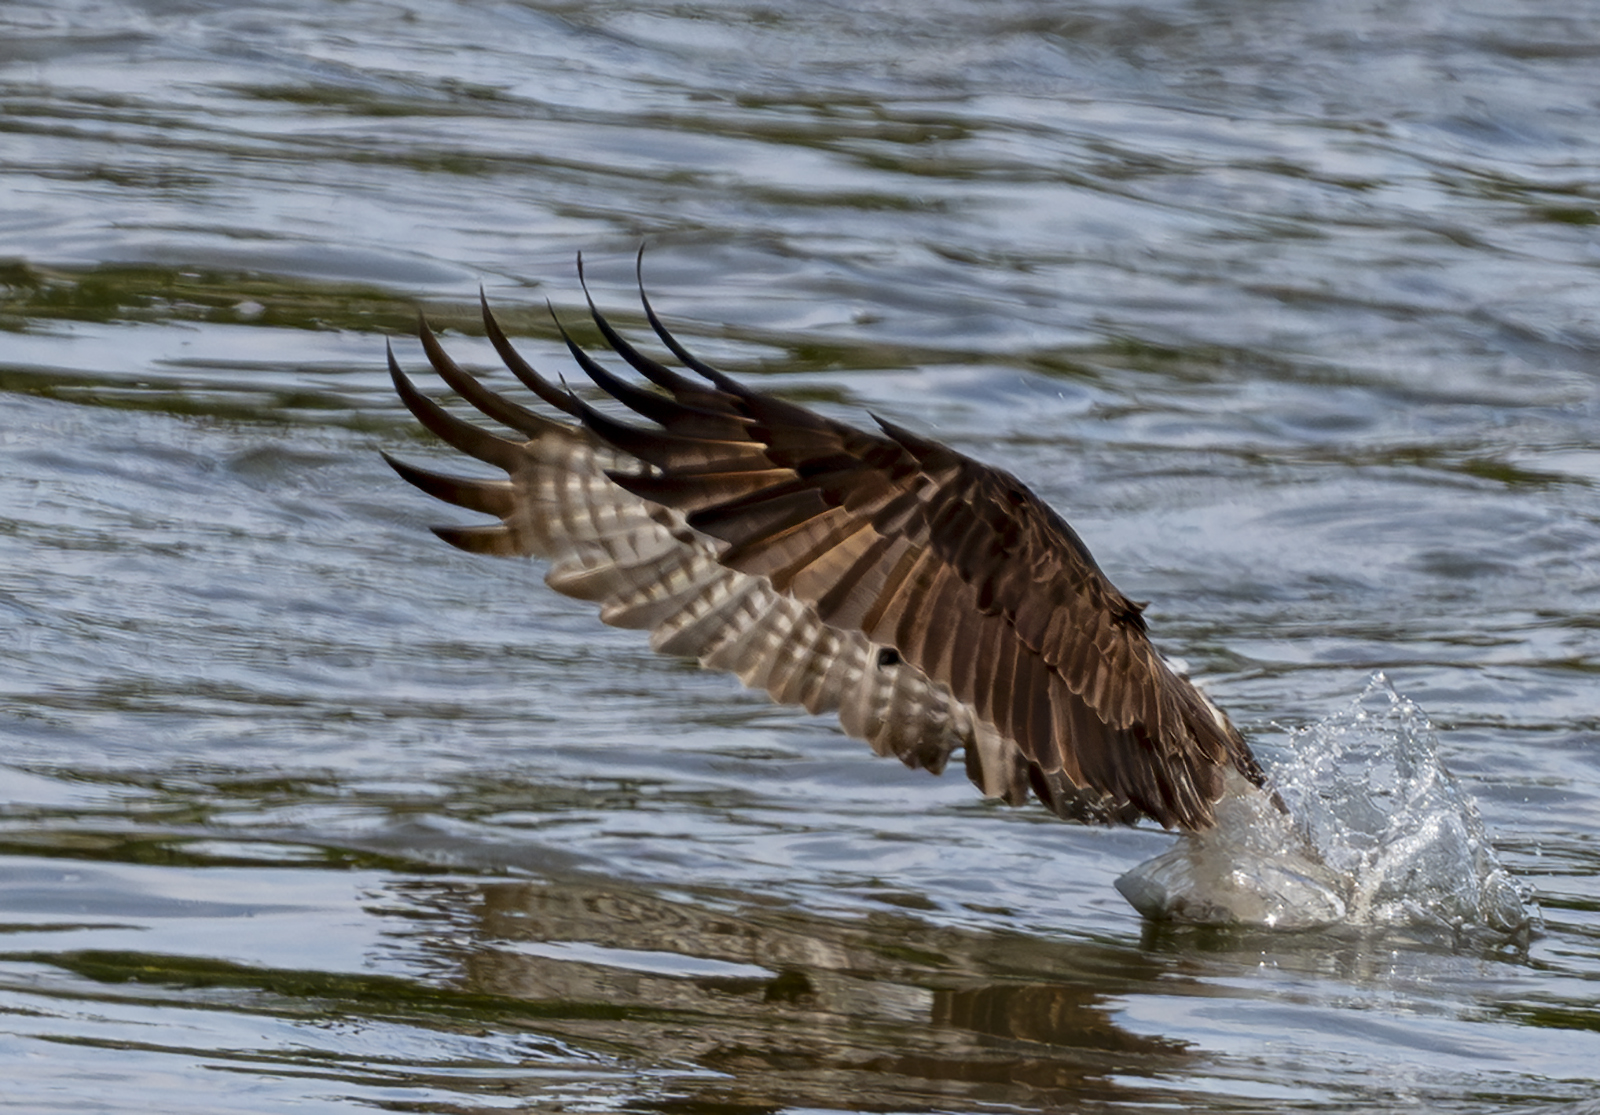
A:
<point x="933" y="602"/>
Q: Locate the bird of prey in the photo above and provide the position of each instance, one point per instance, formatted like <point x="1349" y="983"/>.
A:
<point x="931" y="601"/>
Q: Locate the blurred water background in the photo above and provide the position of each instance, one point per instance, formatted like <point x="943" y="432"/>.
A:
<point x="1290" y="308"/>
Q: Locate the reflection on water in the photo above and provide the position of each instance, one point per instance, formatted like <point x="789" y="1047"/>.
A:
<point x="886" y="1010"/>
<point x="639" y="998"/>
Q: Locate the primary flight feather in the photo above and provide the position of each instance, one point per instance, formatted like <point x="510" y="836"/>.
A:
<point x="933" y="602"/>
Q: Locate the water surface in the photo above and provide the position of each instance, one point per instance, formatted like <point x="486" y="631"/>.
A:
<point x="1290" y="309"/>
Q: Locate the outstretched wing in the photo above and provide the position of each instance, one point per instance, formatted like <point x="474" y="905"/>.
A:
<point x="933" y="602"/>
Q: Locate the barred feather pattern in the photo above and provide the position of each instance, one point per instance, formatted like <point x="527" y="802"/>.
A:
<point x="933" y="603"/>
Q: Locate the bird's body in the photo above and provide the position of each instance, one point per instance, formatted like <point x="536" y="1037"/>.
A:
<point x="932" y="601"/>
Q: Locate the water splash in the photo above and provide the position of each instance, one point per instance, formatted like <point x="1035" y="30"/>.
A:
<point x="1377" y="834"/>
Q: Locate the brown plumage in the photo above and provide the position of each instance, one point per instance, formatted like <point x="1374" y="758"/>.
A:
<point x="932" y="601"/>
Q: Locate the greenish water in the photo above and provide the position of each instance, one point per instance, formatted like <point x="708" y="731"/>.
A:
<point x="1290" y="309"/>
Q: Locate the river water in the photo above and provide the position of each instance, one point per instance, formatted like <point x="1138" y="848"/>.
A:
<point x="1290" y="308"/>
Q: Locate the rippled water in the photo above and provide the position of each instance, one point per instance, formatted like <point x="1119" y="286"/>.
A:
<point x="1290" y="308"/>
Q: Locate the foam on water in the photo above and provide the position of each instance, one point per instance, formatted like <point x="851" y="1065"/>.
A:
<point x="1377" y="834"/>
